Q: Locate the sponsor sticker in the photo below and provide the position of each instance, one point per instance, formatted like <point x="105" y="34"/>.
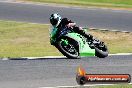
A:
<point x="82" y="78"/>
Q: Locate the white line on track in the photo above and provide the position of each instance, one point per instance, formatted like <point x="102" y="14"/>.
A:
<point x="78" y="86"/>
<point x="65" y="57"/>
<point x="120" y="54"/>
<point x="46" y="57"/>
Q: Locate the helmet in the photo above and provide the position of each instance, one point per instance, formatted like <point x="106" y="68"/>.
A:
<point x="55" y="19"/>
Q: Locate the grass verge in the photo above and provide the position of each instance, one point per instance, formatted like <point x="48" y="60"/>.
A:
<point x="117" y="42"/>
<point x="115" y="86"/>
<point x="18" y="39"/>
<point x="25" y="39"/>
<point x="98" y="3"/>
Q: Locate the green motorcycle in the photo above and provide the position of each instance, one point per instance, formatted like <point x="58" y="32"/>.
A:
<point x="74" y="45"/>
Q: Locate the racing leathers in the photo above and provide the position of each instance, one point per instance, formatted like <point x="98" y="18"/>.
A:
<point x="64" y="23"/>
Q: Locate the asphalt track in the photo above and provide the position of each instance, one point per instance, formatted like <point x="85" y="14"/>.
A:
<point x="86" y="17"/>
<point x="61" y="72"/>
<point x="57" y="72"/>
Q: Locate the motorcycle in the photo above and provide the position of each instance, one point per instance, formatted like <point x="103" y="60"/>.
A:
<point x="74" y="45"/>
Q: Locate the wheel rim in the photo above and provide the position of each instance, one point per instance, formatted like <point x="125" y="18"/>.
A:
<point x="69" y="48"/>
<point x="101" y="46"/>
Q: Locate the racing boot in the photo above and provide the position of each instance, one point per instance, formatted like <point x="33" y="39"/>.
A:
<point x="83" y="33"/>
<point x="90" y="39"/>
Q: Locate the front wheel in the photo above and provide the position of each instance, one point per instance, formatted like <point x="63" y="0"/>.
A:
<point x="68" y="48"/>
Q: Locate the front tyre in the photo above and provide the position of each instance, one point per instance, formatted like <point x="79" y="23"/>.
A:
<point x="70" y="50"/>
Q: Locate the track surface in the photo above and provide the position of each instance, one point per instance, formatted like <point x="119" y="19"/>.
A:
<point x="61" y="72"/>
<point x="89" y="17"/>
<point x="57" y="72"/>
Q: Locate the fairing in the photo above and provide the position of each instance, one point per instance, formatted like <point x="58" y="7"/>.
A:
<point x="84" y="48"/>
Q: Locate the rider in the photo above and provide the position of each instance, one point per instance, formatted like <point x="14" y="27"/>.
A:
<point x="58" y="23"/>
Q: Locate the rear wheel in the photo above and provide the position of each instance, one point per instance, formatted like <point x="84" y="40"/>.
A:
<point x="68" y="48"/>
<point x="101" y="49"/>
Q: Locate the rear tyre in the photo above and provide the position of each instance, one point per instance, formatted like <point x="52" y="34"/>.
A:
<point x="101" y="50"/>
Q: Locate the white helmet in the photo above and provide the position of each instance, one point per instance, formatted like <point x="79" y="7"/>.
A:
<point x="55" y="19"/>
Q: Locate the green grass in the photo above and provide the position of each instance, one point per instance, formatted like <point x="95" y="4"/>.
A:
<point x="24" y="39"/>
<point x="115" y="86"/>
<point x="117" y="42"/>
<point x="102" y="3"/>
<point x="19" y="39"/>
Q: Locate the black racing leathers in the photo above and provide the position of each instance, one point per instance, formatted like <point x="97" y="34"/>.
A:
<point x="64" y="22"/>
